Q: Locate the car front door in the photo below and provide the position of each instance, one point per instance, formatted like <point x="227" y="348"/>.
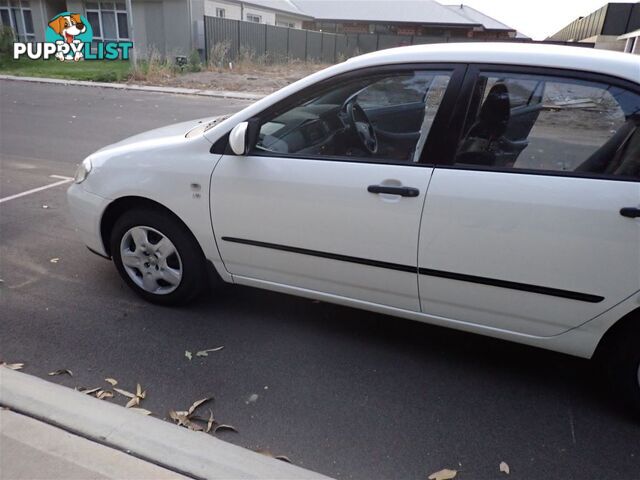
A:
<point x="322" y="203"/>
<point x="538" y="243"/>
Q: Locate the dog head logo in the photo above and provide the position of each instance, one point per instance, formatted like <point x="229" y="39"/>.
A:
<point x="68" y="26"/>
<point x="72" y="29"/>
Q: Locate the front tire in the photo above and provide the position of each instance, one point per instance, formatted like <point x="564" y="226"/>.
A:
<point x="157" y="256"/>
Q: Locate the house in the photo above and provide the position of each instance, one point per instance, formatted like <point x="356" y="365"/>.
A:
<point x="615" y="26"/>
<point x="281" y="13"/>
<point x="176" y="27"/>
<point x="402" y="17"/>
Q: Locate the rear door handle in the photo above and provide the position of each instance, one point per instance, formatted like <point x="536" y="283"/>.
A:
<point x="630" y="212"/>
<point x="392" y="190"/>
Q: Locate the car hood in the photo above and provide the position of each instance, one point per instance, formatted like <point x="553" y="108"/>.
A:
<point x="176" y="132"/>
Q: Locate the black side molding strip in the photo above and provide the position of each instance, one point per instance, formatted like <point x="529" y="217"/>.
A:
<point x="525" y="287"/>
<point x="332" y="256"/>
<point x="554" y="292"/>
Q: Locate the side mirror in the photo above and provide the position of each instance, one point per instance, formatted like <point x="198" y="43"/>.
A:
<point x="238" y="138"/>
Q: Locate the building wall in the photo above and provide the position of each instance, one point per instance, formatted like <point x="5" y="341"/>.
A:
<point x="283" y="20"/>
<point x="233" y="11"/>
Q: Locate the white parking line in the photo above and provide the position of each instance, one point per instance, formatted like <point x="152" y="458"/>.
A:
<point x="62" y="181"/>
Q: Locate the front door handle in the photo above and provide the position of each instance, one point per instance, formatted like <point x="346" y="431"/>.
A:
<point x="392" y="190"/>
<point x="630" y="212"/>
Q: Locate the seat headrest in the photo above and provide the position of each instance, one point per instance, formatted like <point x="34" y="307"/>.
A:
<point x="496" y="110"/>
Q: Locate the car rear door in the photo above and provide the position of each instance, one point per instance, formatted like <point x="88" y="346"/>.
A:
<point x="309" y="208"/>
<point x="548" y="240"/>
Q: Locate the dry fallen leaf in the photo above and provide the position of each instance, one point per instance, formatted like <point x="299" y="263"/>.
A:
<point x="12" y="366"/>
<point x="504" y="467"/>
<point x="225" y="427"/>
<point x="125" y="393"/>
<point x="140" y="393"/>
<point x="102" y="394"/>
<point x="210" y="421"/>
<point x="88" y="391"/>
<point x="179" y="417"/>
<point x="196" y="404"/>
<point x="267" y="453"/>
<point x="61" y="372"/>
<point x="142" y="411"/>
<point x="188" y="354"/>
<point x="112" y="381"/>
<point x="205" y="353"/>
<point x="54" y="260"/>
<point x="134" y="402"/>
<point x="444" y="474"/>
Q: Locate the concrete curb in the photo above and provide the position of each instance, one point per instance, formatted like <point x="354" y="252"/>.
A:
<point x="141" y="88"/>
<point x="190" y="453"/>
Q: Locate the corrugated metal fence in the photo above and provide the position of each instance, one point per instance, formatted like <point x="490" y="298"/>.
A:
<point x="226" y="40"/>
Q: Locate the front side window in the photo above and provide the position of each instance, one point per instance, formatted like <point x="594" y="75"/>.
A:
<point x="221" y="13"/>
<point x="537" y="122"/>
<point x="382" y="117"/>
<point x="254" y="18"/>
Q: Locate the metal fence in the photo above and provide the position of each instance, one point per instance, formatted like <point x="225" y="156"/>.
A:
<point x="227" y="40"/>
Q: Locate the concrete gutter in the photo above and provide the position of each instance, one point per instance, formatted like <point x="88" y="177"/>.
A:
<point x="140" y="88"/>
<point x="190" y="453"/>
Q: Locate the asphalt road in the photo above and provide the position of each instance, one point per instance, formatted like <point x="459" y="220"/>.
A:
<point x="347" y="393"/>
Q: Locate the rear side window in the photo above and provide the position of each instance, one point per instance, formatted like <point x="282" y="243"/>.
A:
<point x="548" y="123"/>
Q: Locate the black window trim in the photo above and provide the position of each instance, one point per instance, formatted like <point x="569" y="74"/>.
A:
<point x="431" y="148"/>
<point x="461" y="111"/>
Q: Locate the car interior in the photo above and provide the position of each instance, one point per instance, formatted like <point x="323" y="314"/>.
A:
<point x="374" y="118"/>
<point x="499" y="132"/>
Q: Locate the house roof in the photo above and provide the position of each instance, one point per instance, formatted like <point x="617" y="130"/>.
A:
<point x="489" y="23"/>
<point x="383" y="11"/>
<point x="285" y="6"/>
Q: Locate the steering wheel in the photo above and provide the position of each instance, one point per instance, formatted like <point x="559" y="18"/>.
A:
<point x="362" y="125"/>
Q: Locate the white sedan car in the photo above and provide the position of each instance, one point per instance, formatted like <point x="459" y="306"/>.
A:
<point x="492" y="188"/>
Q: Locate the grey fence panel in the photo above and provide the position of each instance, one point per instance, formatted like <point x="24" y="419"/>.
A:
<point x="328" y="48"/>
<point x="253" y="38"/>
<point x="367" y="43"/>
<point x="277" y="43"/>
<point x="221" y="35"/>
<point x="341" y="48"/>
<point x="352" y="45"/>
<point x="419" y="40"/>
<point x="297" y="44"/>
<point x="390" y="41"/>
<point x="314" y="46"/>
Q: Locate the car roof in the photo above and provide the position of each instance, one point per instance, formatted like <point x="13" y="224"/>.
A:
<point x="622" y="65"/>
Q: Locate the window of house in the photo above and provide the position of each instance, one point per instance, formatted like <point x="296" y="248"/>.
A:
<point x="16" y="14"/>
<point x="254" y="18"/>
<point x="108" y="20"/>
<point x="221" y="13"/>
<point x="385" y="117"/>
<point x="536" y="122"/>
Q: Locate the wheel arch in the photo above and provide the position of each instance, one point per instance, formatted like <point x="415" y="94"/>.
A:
<point x="116" y="208"/>
<point x="628" y="322"/>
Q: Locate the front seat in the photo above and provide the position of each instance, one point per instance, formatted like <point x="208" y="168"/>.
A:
<point x="491" y="124"/>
